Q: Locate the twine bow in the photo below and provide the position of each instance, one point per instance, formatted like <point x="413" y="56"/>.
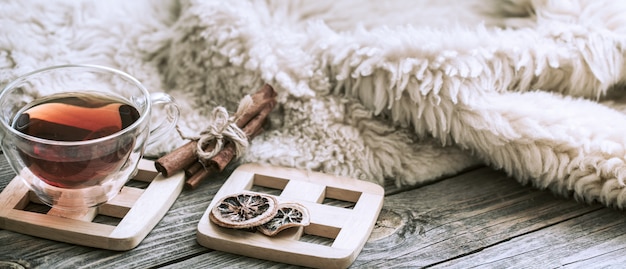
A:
<point x="222" y="128"/>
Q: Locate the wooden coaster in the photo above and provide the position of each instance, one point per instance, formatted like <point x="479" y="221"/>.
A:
<point x="343" y="213"/>
<point x="138" y="209"/>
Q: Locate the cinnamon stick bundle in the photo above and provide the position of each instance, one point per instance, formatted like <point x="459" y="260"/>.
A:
<point x="227" y="154"/>
<point x="185" y="157"/>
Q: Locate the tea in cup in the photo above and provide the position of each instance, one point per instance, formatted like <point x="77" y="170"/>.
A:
<point x="75" y="133"/>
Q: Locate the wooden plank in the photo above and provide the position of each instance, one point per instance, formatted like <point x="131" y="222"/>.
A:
<point x="219" y="259"/>
<point x="305" y="191"/>
<point x="594" y="240"/>
<point x="146" y="171"/>
<point x="121" y="203"/>
<point x="16" y="199"/>
<point x="463" y="215"/>
<point x="83" y="214"/>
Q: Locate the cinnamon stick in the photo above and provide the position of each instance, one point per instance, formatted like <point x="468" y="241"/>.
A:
<point x="266" y="96"/>
<point x="177" y="159"/>
<point x="194" y="180"/>
<point x="185" y="155"/>
<point x="193" y="169"/>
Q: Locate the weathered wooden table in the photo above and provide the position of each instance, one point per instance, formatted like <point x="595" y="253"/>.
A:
<point x="478" y="218"/>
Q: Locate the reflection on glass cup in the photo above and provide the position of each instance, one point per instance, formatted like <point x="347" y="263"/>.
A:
<point x="75" y="133"/>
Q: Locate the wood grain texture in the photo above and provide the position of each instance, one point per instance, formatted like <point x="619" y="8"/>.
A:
<point x="464" y="215"/>
<point x="480" y="217"/>
<point x="593" y="240"/>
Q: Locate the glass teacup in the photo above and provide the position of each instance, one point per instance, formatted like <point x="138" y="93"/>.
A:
<point x="75" y="133"/>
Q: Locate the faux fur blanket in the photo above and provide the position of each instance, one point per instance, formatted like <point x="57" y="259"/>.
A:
<point x="402" y="90"/>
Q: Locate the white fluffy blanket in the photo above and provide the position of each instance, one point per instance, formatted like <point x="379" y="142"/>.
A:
<point x="402" y="90"/>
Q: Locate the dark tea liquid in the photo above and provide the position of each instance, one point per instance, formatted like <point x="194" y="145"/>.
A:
<point x="76" y="117"/>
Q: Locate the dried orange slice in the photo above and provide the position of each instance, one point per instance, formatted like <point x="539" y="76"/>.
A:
<point x="244" y="210"/>
<point x="288" y="215"/>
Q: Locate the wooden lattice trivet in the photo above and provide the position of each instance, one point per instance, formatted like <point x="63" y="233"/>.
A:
<point x="139" y="210"/>
<point x="343" y="213"/>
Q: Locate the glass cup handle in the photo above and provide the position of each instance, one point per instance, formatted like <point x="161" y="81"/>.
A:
<point x="166" y="124"/>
